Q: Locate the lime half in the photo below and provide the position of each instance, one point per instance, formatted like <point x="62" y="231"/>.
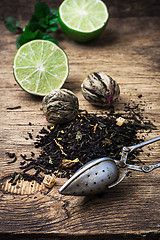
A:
<point x="40" y="67"/>
<point x="83" y="20"/>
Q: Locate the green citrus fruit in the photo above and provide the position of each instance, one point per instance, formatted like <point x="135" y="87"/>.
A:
<point x="83" y="20"/>
<point x="40" y="67"/>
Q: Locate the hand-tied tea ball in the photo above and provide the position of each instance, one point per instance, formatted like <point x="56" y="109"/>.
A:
<point x="100" y="89"/>
<point x="60" y="106"/>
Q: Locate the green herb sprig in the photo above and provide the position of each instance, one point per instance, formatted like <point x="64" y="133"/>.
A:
<point x="43" y="20"/>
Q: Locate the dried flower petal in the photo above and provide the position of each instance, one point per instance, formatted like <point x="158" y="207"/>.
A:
<point x="66" y="163"/>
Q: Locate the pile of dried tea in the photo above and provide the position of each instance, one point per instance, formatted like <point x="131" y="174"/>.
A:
<point x="66" y="147"/>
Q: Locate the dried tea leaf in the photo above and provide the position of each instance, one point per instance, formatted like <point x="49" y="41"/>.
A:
<point x="79" y="135"/>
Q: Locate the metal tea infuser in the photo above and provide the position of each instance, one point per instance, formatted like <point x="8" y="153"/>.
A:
<point x="99" y="174"/>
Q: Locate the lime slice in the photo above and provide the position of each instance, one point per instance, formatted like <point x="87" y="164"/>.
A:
<point x="40" y="67"/>
<point x="83" y="20"/>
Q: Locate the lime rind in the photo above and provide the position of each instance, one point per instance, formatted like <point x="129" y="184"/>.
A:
<point x="40" y="67"/>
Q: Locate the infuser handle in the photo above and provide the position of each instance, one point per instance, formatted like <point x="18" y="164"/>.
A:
<point x="127" y="150"/>
<point x="145" y="169"/>
<point x="149" y="168"/>
<point x="131" y="148"/>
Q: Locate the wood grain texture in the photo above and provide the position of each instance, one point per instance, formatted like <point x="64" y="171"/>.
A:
<point x="142" y="8"/>
<point x="128" y="51"/>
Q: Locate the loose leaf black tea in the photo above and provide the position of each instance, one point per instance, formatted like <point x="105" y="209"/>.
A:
<point x="66" y="147"/>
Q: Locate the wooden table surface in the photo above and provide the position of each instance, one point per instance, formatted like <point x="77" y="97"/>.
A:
<point x="129" y="51"/>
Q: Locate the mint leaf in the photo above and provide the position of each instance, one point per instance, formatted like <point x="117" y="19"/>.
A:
<point x="32" y="27"/>
<point x="28" y="36"/>
<point x="43" y="19"/>
<point x="41" y="10"/>
<point x="52" y="19"/>
<point x="49" y="38"/>
<point x="33" y="19"/>
<point x="50" y="23"/>
<point x="12" y="24"/>
<point x="44" y="23"/>
<point x="53" y="27"/>
<point x="54" y="11"/>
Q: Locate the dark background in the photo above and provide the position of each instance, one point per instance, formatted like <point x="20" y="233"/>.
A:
<point x="23" y="9"/>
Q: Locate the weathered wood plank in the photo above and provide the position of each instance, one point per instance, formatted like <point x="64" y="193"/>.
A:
<point x="126" y="8"/>
<point x="129" y="52"/>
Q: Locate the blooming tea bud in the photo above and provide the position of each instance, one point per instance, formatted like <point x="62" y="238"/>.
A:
<point x="60" y="106"/>
<point x="100" y="89"/>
